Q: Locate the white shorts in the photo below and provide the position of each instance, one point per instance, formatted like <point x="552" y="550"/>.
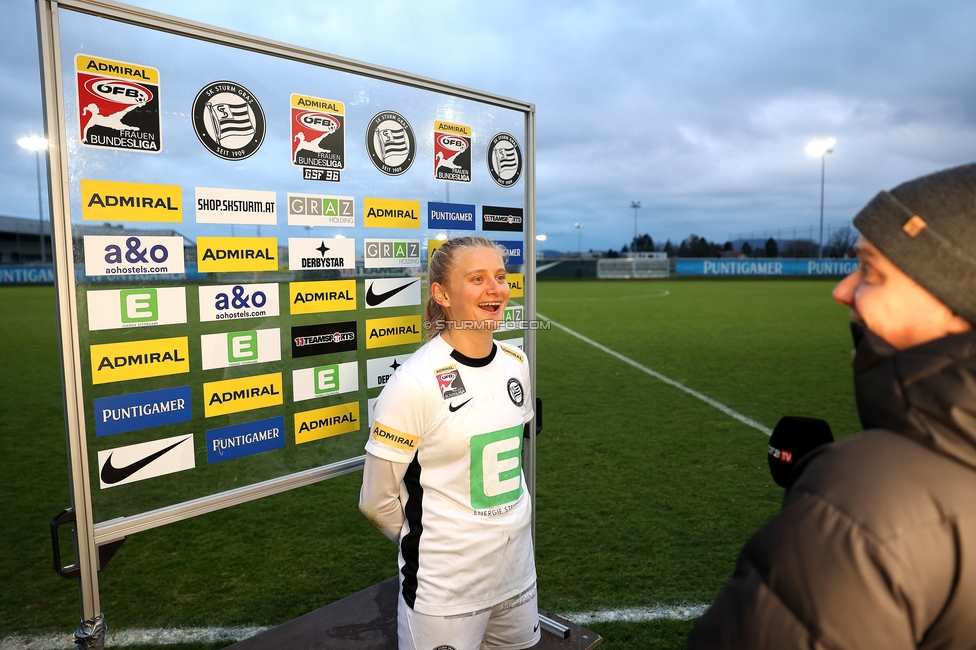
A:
<point x="510" y="625"/>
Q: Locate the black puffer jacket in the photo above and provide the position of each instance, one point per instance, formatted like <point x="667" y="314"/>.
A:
<point x="875" y="546"/>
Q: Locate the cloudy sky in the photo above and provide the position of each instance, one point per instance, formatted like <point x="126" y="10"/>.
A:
<point x="699" y="109"/>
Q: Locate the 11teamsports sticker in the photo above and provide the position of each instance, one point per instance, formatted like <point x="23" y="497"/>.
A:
<point x="228" y="120"/>
<point x="318" y="137"/>
<point x="390" y="143"/>
<point x="118" y="104"/>
<point x="452" y="152"/>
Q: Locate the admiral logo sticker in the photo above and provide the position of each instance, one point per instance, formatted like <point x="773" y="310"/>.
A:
<point x="515" y="392"/>
<point x="244" y="394"/>
<point x="514" y="250"/>
<point x="326" y="422"/>
<point x="145" y="460"/>
<point x="231" y="301"/>
<point x="391" y="213"/>
<point x="135" y="411"/>
<point x="228" y="443"/>
<point x="504" y="159"/>
<point x="325" y="338"/>
<point x="321" y="210"/>
<point x="379" y="371"/>
<point x="450" y="216"/>
<point x="516" y="285"/>
<point x="320" y="297"/>
<point x="321" y="253"/>
<point x="117" y="201"/>
<point x="392" y="292"/>
<point x="452" y="152"/>
<point x="118" y="104"/>
<point x="449" y="382"/>
<point x="398" y="330"/>
<point x="432" y="246"/>
<point x="229" y="349"/>
<point x="247" y="207"/>
<point x="322" y="381"/>
<point x="390" y="143"/>
<point x="393" y="438"/>
<point x="391" y="253"/>
<point x="233" y="254"/>
<point x="110" y="255"/>
<point x="118" y="308"/>
<point x="228" y="120"/>
<point x="318" y="134"/>
<point x="112" y="362"/>
<point x="496" y="218"/>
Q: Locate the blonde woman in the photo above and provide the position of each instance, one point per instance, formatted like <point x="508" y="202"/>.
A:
<point x="443" y="474"/>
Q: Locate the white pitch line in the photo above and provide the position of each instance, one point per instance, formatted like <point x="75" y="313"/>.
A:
<point x="667" y="380"/>
<point x="124" y="638"/>
<point x="638" y="614"/>
<point x="662" y="294"/>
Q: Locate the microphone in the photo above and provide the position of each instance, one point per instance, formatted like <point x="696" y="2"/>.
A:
<point x="793" y="438"/>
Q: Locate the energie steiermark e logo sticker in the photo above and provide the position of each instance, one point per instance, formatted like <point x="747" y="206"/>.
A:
<point x="504" y="159"/>
<point x="118" y="308"/>
<point x="390" y="143"/>
<point x="118" y="104"/>
<point x="228" y="120"/>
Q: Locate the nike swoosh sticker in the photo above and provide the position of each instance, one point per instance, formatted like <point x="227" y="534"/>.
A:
<point x="373" y="299"/>
<point x="453" y="408"/>
<point x="112" y="475"/>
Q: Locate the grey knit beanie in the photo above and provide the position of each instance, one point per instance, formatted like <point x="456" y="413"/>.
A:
<point x="927" y="228"/>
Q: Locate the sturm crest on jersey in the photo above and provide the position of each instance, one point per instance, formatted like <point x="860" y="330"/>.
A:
<point x="228" y="120"/>
<point x="515" y="392"/>
<point x="504" y="159"/>
<point x="390" y="143"/>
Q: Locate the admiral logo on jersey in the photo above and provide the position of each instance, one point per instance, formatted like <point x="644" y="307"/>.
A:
<point x="118" y="104"/>
<point x="449" y="382"/>
<point x="397" y="439"/>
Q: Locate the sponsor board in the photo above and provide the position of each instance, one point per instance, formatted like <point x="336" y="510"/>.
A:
<point x="118" y="308"/>
<point x="515" y="251"/>
<point x="452" y="152"/>
<point x="391" y="253"/>
<point x="27" y="274"/>
<point x="393" y="292"/>
<point x="135" y="411"/>
<point x="504" y="158"/>
<point x="686" y="266"/>
<point x="322" y="381"/>
<point x="514" y="317"/>
<point x="397" y="330"/>
<point x="247" y="207"/>
<point x="450" y="216"/>
<point x="228" y="120"/>
<point x="326" y="422"/>
<point x="112" y="362"/>
<point x="318" y="134"/>
<point x="234" y="254"/>
<point x="118" y="201"/>
<point x="145" y="460"/>
<point x="238" y="440"/>
<point x="243" y="394"/>
<point x="321" y="210"/>
<point x="379" y="371"/>
<point x="229" y="349"/>
<point x="391" y="437"/>
<point x="391" y="213"/>
<point x="118" y="104"/>
<point x="325" y="338"/>
<point x="501" y="219"/>
<point x="390" y="143"/>
<point x="319" y="297"/>
<point x="121" y="255"/>
<point x="232" y="301"/>
<point x="516" y="285"/>
<point x="321" y="253"/>
<point x="432" y="246"/>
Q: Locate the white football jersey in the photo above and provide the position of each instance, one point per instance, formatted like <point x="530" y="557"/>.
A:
<point x="466" y="542"/>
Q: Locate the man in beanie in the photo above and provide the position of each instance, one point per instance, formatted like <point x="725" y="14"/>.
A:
<point x="875" y="546"/>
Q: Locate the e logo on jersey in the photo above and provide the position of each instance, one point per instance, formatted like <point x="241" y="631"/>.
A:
<point x="318" y="135"/>
<point x="390" y="143"/>
<point x="504" y="159"/>
<point x="228" y="120"/>
<point x="449" y="382"/>
<point x="452" y="152"/>
<point x="118" y="308"/>
<point x="118" y="104"/>
<point x="496" y="468"/>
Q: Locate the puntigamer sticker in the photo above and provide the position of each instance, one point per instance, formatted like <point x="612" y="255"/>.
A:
<point x="450" y="216"/>
<point x="239" y="440"/>
<point x="118" y="308"/>
<point x="118" y="104"/>
<point x="254" y="207"/>
<point x="390" y="143"/>
<point x="135" y="411"/>
<point x="452" y="152"/>
<point x="117" y="201"/>
<point x="110" y="255"/>
<point x="228" y="120"/>
<point x="318" y="136"/>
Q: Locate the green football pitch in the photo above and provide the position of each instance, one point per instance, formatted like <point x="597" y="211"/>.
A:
<point x="645" y="493"/>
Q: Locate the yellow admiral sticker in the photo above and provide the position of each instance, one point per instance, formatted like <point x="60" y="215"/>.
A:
<point x="433" y="245"/>
<point x="319" y="297"/>
<point x="398" y="330"/>
<point x="244" y="394"/>
<point x="118" y="201"/>
<point x="318" y="104"/>
<point x="233" y="254"/>
<point x="391" y="213"/>
<point x="118" y="69"/>
<point x="447" y="127"/>
<point x="393" y="438"/>
<point x="326" y="422"/>
<point x="516" y="283"/>
<point x="139" y="359"/>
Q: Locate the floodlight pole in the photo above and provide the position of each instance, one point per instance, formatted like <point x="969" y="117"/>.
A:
<point x="579" y="238"/>
<point x="823" y="168"/>
<point x="636" y="206"/>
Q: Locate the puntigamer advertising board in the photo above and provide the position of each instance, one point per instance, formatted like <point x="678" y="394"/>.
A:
<point x="242" y="243"/>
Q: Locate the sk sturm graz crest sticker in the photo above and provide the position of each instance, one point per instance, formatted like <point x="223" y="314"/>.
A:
<point x="228" y="120"/>
<point x="504" y="160"/>
<point x="318" y="136"/>
<point x="118" y="104"/>
<point x="452" y="152"/>
<point x="390" y="143"/>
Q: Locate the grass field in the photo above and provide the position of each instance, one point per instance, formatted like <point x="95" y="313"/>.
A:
<point x="645" y="494"/>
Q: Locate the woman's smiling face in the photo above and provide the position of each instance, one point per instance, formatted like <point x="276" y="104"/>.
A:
<point x="476" y="290"/>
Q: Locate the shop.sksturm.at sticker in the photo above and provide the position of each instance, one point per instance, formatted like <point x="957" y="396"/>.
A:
<point x="118" y="104"/>
<point x="318" y="135"/>
<point x="452" y="152"/>
<point x="504" y="159"/>
<point x="247" y="207"/>
<point x="228" y="120"/>
<point x="390" y="143"/>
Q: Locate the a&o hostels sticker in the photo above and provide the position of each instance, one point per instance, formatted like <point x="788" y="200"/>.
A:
<point x="228" y="120"/>
<point x="318" y="136"/>
<point x="452" y="152"/>
<point x="118" y="104"/>
<point x="390" y="143"/>
<point x="504" y="159"/>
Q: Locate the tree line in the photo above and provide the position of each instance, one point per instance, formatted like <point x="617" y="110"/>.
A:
<point x="840" y="244"/>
